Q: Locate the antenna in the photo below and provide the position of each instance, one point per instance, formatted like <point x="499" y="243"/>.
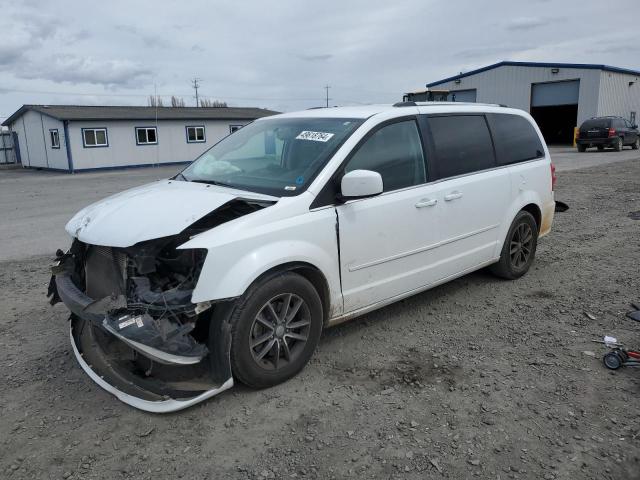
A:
<point x="327" y="87"/>
<point x="195" y="83"/>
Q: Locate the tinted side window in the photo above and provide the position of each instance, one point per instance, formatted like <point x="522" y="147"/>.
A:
<point x="515" y="139"/>
<point x="462" y="144"/>
<point x="395" y="152"/>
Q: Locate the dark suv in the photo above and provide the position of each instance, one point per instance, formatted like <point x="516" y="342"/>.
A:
<point x="607" y="132"/>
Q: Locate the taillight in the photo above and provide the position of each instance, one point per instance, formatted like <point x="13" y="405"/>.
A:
<point x="612" y="132"/>
<point x="553" y="176"/>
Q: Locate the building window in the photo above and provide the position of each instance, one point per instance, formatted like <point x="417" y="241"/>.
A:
<point x="146" y="136"/>
<point x="235" y="128"/>
<point x="55" y="138"/>
<point x="195" y="134"/>
<point x="94" y="137"/>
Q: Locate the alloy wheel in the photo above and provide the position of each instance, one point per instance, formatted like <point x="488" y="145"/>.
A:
<point x="280" y="331"/>
<point x="521" y="245"/>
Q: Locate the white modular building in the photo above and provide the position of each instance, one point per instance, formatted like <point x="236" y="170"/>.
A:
<point x="559" y="96"/>
<point x="74" y="138"/>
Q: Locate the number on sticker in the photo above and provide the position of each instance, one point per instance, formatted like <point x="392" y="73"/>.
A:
<point x="315" y="136"/>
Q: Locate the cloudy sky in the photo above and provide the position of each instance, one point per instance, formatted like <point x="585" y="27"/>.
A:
<point x="280" y="54"/>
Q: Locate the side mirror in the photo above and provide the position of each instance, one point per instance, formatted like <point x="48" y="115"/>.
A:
<point x="360" y="183"/>
<point x="634" y="126"/>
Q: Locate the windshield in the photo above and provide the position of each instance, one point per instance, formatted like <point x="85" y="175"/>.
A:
<point x="277" y="157"/>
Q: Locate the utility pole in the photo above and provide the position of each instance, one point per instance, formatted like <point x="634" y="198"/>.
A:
<point x="195" y="83"/>
<point x="327" y="87"/>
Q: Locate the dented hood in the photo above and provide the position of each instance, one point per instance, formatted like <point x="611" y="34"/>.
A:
<point x="151" y="211"/>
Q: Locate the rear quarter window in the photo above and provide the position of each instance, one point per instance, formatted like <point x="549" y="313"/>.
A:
<point x="462" y="144"/>
<point x="515" y="139"/>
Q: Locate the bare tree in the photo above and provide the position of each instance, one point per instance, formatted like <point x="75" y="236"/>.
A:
<point x="155" y="101"/>
<point x="177" y="101"/>
<point x="205" y="102"/>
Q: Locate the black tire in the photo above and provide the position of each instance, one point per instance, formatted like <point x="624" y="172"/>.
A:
<point x="249" y="325"/>
<point x="618" y="145"/>
<point x="600" y="148"/>
<point x="582" y="148"/>
<point x="636" y="145"/>
<point x="612" y="360"/>
<point x="511" y="264"/>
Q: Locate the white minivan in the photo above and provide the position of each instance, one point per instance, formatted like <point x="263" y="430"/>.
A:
<point x="231" y="269"/>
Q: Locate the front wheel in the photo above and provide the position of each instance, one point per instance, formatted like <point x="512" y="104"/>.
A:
<point x="275" y="329"/>
<point x="582" y="148"/>
<point x="636" y="145"/>
<point x="519" y="248"/>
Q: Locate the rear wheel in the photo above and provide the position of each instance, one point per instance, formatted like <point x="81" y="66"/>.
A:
<point x="617" y="146"/>
<point x="582" y="148"/>
<point x="519" y="248"/>
<point x="275" y="330"/>
<point x="636" y="145"/>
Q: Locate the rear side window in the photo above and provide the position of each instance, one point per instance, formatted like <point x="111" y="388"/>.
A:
<point x="596" y="123"/>
<point x="395" y="152"/>
<point x="515" y="139"/>
<point x="462" y="144"/>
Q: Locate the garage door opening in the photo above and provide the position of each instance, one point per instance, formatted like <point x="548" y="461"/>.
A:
<point x="556" y="123"/>
<point x="554" y="107"/>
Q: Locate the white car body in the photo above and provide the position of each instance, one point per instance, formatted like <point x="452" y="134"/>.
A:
<point x="370" y="251"/>
<point x="455" y="238"/>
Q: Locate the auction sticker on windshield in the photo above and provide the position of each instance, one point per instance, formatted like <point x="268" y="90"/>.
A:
<point x="315" y="136"/>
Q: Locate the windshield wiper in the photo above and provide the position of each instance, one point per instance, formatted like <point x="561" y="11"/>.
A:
<point x="211" y="182"/>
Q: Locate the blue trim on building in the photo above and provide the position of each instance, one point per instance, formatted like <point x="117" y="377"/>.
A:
<point x="16" y="146"/>
<point x="121" y="167"/>
<point x="67" y="144"/>
<point x="585" y="66"/>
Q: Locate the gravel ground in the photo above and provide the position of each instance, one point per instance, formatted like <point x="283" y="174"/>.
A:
<point x="477" y="378"/>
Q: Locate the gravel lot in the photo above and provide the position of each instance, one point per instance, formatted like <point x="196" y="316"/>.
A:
<point x="477" y="378"/>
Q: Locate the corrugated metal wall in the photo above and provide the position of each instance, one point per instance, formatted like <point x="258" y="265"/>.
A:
<point x="511" y="85"/>
<point x="617" y="96"/>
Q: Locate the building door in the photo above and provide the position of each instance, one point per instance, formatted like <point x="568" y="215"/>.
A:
<point x="554" y="106"/>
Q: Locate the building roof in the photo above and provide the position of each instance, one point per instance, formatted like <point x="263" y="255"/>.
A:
<point x="86" y="112"/>
<point x="586" y="66"/>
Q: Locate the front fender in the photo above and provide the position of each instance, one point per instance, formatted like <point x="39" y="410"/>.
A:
<point x="226" y="276"/>
<point x="236" y="259"/>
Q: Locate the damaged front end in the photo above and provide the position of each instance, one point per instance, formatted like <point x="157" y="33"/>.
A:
<point x="134" y="329"/>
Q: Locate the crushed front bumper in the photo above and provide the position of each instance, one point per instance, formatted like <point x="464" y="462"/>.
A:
<point x="135" y="379"/>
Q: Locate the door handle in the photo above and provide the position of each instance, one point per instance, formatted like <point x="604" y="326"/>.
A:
<point x="426" y="202"/>
<point x="452" y="196"/>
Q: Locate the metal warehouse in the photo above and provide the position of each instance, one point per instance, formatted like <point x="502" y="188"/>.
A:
<point x="559" y="96"/>
<point x="79" y="138"/>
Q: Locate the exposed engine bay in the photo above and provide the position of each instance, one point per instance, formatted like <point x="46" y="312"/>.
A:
<point x="132" y="315"/>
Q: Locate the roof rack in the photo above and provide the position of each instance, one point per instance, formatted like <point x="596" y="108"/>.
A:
<point x="405" y="104"/>
<point x="418" y="104"/>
